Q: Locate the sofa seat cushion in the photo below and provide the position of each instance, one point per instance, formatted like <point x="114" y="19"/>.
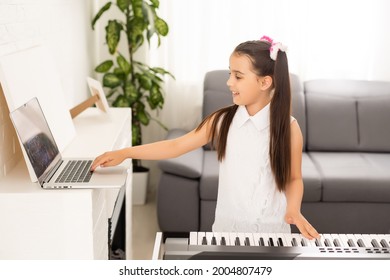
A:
<point x="209" y="180"/>
<point x="354" y="177"/>
<point x="311" y="180"/>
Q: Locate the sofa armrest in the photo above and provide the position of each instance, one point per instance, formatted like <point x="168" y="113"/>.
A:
<point x="189" y="165"/>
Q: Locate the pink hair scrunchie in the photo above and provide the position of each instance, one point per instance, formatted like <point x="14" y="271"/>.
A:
<point x="275" y="47"/>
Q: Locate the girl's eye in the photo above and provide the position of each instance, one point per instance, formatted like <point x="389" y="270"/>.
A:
<point x="238" y="77"/>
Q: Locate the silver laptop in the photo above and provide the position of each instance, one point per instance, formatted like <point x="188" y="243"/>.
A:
<point x="53" y="171"/>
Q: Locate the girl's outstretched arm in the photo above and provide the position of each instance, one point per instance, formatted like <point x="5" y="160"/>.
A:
<point x="294" y="189"/>
<point x="158" y="150"/>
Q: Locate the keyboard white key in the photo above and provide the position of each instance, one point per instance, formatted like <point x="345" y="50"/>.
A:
<point x="193" y="238"/>
<point x="288" y="238"/>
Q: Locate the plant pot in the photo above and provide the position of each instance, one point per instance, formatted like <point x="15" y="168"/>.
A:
<point x="140" y="185"/>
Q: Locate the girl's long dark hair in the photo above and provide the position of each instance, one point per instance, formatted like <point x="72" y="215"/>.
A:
<point x="280" y="110"/>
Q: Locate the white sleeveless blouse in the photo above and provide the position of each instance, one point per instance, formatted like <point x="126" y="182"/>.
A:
<point x="248" y="199"/>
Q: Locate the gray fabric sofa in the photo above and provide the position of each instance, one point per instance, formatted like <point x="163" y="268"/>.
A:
<point x="345" y="166"/>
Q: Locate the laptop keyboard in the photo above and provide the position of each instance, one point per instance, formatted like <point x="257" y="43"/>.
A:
<point x="76" y="171"/>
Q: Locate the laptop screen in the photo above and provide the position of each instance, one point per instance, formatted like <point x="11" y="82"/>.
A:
<point x="33" y="131"/>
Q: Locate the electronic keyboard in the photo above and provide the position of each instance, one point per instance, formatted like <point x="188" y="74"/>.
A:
<point x="219" y="245"/>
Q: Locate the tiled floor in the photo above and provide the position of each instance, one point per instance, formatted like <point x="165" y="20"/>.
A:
<point x="144" y="228"/>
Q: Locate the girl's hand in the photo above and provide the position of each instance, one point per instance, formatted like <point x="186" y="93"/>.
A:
<point x="108" y="159"/>
<point x="306" y="229"/>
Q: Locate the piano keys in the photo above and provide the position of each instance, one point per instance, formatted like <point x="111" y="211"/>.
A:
<point x="224" y="245"/>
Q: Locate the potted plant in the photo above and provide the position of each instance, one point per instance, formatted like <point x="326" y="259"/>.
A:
<point x="132" y="83"/>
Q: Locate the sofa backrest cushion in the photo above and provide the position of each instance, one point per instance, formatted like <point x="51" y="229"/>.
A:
<point x="217" y="95"/>
<point x="298" y="104"/>
<point x="347" y="115"/>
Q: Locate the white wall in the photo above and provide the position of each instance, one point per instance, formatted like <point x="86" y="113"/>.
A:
<point x="62" y="25"/>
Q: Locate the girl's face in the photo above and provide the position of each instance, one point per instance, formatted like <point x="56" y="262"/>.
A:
<point x="246" y="86"/>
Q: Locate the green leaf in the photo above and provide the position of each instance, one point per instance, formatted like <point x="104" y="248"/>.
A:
<point x="138" y="41"/>
<point x="113" y="30"/>
<point x="143" y="117"/>
<point x="99" y="14"/>
<point x="139" y="113"/>
<point x="120" y="74"/>
<point x="123" y="64"/>
<point x="111" y="92"/>
<point x="137" y="8"/>
<point x="161" y="26"/>
<point x="155" y="3"/>
<point x="123" y="4"/>
<point x="145" y="81"/>
<point x="162" y="71"/>
<point x="121" y="101"/>
<point x="155" y="98"/>
<point x="104" y="66"/>
<point x="136" y="27"/>
<point x="131" y="93"/>
<point x="111" y="80"/>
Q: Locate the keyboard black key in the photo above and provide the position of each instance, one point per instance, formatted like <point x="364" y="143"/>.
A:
<point x="294" y="242"/>
<point x="327" y="242"/>
<point x="213" y="241"/>
<point x="375" y="243"/>
<point x="351" y="243"/>
<point x="318" y="243"/>
<point x="261" y="241"/>
<point x="360" y="243"/>
<point x="247" y="242"/>
<point x="271" y="242"/>
<point x="280" y="242"/>
<point x="237" y="241"/>
<point x="223" y="241"/>
<point x="384" y="244"/>
<point x="336" y="243"/>
<point x="204" y="240"/>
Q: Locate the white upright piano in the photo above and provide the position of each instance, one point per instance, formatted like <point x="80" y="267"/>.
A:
<point x="67" y="224"/>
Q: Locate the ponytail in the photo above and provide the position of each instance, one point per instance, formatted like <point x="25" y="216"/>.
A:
<point x="280" y="131"/>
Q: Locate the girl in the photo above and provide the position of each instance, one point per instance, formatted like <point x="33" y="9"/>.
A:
<point x="259" y="146"/>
